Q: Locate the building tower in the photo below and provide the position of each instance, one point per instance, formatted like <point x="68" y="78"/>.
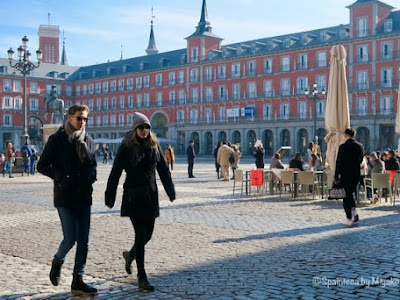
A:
<point x="49" y="42"/>
<point x="151" y="48"/>
<point x="64" y="53"/>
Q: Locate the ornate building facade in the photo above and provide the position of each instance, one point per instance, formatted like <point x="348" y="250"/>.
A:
<point x="239" y="92"/>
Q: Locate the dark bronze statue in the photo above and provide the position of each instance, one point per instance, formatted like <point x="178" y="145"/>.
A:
<point x="54" y="105"/>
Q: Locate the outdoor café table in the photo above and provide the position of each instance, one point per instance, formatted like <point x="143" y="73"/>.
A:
<point x="259" y="176"/>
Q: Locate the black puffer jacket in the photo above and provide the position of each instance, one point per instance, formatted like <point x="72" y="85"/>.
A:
<point x="72" y="179"/>
<point x="140" y="197"/>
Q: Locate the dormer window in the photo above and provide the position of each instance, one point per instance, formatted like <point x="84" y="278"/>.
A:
<point x="195" y="54"/>
<point x="388" y="25"/>
<point x="362" y="27"/>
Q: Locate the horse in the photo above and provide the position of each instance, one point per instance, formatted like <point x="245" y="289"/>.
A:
<point x="54" y="106"/>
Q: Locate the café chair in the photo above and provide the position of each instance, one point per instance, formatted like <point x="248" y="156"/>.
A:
<point x="380" y="182"/>
<point x="238" y="178"/>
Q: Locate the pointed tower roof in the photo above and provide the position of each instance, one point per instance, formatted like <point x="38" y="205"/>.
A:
<point x="64" y="53"/>
<point x="361" y="2"/>
<point x="204" y="27"/>
<point x="151" y="48"/>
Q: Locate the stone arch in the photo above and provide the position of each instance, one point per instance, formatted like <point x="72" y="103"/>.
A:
<point x="364" y="137"/>
<point x="196" y="138"/>
<point x="285" y="137"/>
<point x="208" y="138"/>
<point x="302" y="141"/>
<point x="236" y="138"/>
<point x="222" y="136"/>
<point x="268" y="141"/>
<point x="159" y="123"/>
<point x="251" y="140"/>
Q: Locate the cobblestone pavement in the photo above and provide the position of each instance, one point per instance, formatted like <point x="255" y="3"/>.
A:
<point x="208" y="244"/>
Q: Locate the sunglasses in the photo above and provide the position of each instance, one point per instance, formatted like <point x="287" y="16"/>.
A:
<point x="142" y="127"/>
<point x="80" y="119"/>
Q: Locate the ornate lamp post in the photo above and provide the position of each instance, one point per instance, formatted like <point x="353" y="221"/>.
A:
<point x="24" y="65"/>
<point x="315" y="94"/>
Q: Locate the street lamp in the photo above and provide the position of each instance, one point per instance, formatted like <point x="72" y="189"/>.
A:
<point x="315" y="94"/>
<point x="24" y="65"/>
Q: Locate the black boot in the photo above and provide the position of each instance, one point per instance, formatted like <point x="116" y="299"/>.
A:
<point x="78" y="287"/>
<point x="55" y="272"/>
<point x="144" y="284"/>
<point x="128" y="261"/>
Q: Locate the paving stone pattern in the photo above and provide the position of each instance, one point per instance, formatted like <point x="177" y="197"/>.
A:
<point x="208" y="244"/>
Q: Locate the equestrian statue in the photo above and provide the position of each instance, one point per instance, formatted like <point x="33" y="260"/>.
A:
<point x="54" y="105"/>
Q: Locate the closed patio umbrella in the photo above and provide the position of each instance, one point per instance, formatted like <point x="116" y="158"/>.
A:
<point x="337" y="116"/>
<point x="398" y="112"/>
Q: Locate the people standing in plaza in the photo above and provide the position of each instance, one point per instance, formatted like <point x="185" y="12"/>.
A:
<point x="259" y="154"/>
<point x="34" y="157"/>
<point x="9" y="158"/>
<point x="236" y="155"/>
<point x="170" y="156"/>
<point x="217" y="166"/>
<point x="26" y="154"/>
<point x="140" y="156"/>
<point x="391" y="165"/>
<point x="105" y="155"/>
<point x="223" y="159"/>
<point x="68" y="158"/>
<point x="347" y="172"/>
<point x="310" y="152"/>
<point x="191" y="154"/>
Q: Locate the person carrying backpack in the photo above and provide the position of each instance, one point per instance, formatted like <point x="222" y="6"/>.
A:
<point x="25" y="154"/>
<point x="33" y="160"/>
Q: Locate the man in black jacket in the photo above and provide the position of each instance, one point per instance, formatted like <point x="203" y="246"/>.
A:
<point x="190" y="155"/>
<point x="347" y="171"/>
<point x="68" y="158"/>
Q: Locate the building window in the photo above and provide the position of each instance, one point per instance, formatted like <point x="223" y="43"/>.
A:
<point x="236" y="70"/>
<point x="362" y="27"/>
<point x="194" y="116"/>
<point x="113" y="102"/>
<point x="268" y="88"/>
<point x="321" y="82"/>
<point x="129" y="119"/>
<point x="236" y="91"/>
<point x="180" y="116"/>
<point x="91" y="89"/>
<point x="159" y="98"/>
<point x="33" y="87"/>
<point x="105" y="103"/>
<point x="113" y="120"/>
<point x="98" y="104"/>
<point x="172" y="97"/>
<point x="91" y="104"/>
<point x="139" y="100"/>
<point x="7" y="102"/>
<point x="268" y="65"/>
<point x="181" y="77"/>
<point x="284" y="111"/>
<point x="388" y="25"/>
<point x="129" y="84"/>
<point x="285" y="87"/>
<point x="303" y="62"/>
<point x="195" y="95"/>
<point x="138" y="82"/>
<point x="267" y="111"/>
<point x="105" y="86"/>
<point x="98" y="120"/>
<point x="302" y="109"/>
<point x="386" y="77"/>
<point x="362" y="80"/>
<point x="208" y="73"/>
<point x="146" y="81"/>
<point x="68" y="90"/>
<point x="7" y="120"/>
<point x="362" y="53"/>
<point x="222" y="72"/>
<point x="17" y="86"/>
<point x="251" y="68"/>
<point x="113" y="86"/>
<point x="146" y="100"/>
<point x="105" y="120"/>
<point x="18" y="103"/>
<point x="302" y="84"/>
<point x="34" y="104"/>
<point x="195" y="54"/>
<point x="98" y="87"/>
<point x="209" y="94"/>
<point x="194" y="75"/>
<point x="285" y="64"/>
<point x="171" y="78"/>
<point x="6" y="85"/>
<point x="252" y="90"/>
<point x="121" y="85"/>
<point x="121" y="101"/>
<point x="387" y="51"/>
<point x="321" y="59"/>
<point x="181" y="97"/>
<point x="159" y="80"/>
<point x="208" y="115"/>
<point x="121" y="120"/>
<point x="222" y="114"/>
<point x="361" y="106"/>
<point x="222" y="92"/>
<point x="321" y="104"/>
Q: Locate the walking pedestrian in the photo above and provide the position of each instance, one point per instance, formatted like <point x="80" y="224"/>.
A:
<point x="140" y="156"/>
<point x="26" y="154"/>
<point x="191" y="154"/>
<point x="33" y="160"/>
<point x="259" y="154"/>
<point x="9" y="158"/>
<point x="68" y="158"/>
<point x="170" y="156"/>
<point x="347" y="171"/>
<point x="217" y="166"/>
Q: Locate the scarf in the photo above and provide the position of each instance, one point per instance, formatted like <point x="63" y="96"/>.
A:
<point x="77" y="137"/>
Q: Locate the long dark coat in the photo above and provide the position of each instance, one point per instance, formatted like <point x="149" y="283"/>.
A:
<point x="72" y="179"/>
<point x="348" y="162"/>
<point x="140" y="196"/>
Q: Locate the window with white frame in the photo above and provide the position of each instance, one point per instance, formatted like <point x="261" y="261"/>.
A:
<point x="129" y="84"/>
<point x="209" y="94"/>
<point x="285" y="64"/>
<point x="252" y="90"/>
<point x="251" y="68"/>
<point x="91" y="105"/>
<point x="181" y="97"/>
<point x="321" y="82"/>
<point x="6" y="85"/>
<point x="302" y="84"/>
<point x="222" y="114"/>
<point x="98" y="120"/>
<point x="221" y="71"/>
<point x="146" y="81"/>
<point x="17" y="103"/>
<point x="129" y="119"/>
<point x="195" y="95"/>
<point x="361" y="106"/>
<point x="303" y="61"/>
<point x="139" y="100"/>
<point x="180" y="116"/>
<point x="138" y="82"/>
<point x="113" y="120"/>
<point x="171" y="78"/>
<point x="105" y="103"/>
<point x="113" y="102"/>
<point x="98" y="87"/>
<point x="113" y="85"/>
<point x="222" y="92"/>
<point x="284" y="114"/>
<point x="122" y="101"/>
<point x="362" y="27"/>
<point x="387" y="50"/>
<point x="91" y="88"/>
<point x="146" y="100"/>
<point x="388" y="25"/>
<point x="362" y="80"/>
<point x="302" y="109"/>
<point x="194" y="116"/>
<point x="84" y="89"/>
<point x="194" y="75"/>
<point x="208" y="73"/>
<point x="236" y="70"/>
<point x="130" y="101"/>
<point x="33" y="87"/>
<point x="362" y="53"/>
<point x="172" y="96"/>
<point x="236" y="91"/>
<point x="7" y="120"/>
<point x="105" y="86"/>
<point x="386" y="104"/>
<point x="121" y="85"/>
<point x="98" y="103"/>
<point x="68" y="90"/>
<point x="195" y="54"/>
<point x="321" y="59"/>
<point x="285" y="86"/>
<point x="159" y="98"/>
<point x="7" y="102"/>
<point x="121" y="120"/>
<point x="17" y="86"/>
<point x="268" y="65"/>
<point x="105" y="120"/>
<point x="386" y="77"/>
<point x="267" y="111"/>
<point x="321" y="104"/>
<point x="49" y="86"/>
<point x="181" y="77"/>
<point x="268" y="88"/>
<point x="158" y="79"/>
<point x="34" y="103"/>
<point x="208" y="115"/>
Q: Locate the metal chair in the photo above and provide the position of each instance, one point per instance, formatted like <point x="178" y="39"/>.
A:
<point x="378" y="181"/>
<point x="396" y="187"/>
<point x="287" y="178"/>
<point x="305" y="180"/>
<point x="238" y="178"/>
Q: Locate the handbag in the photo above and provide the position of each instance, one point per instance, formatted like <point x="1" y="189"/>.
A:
<point x="336" y="192"/>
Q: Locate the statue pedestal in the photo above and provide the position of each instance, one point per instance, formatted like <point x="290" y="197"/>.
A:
<point x="48" y="130"/>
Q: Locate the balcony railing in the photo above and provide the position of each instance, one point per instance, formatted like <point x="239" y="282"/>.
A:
<point x="284" y="68"/>
<point x="302" y="66"/>
<point x="321" y="63"/>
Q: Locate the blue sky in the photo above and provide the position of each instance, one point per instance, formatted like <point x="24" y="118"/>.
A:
<point x="95" y="30"/>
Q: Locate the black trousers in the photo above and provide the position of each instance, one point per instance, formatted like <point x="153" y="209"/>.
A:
<point x="143" y="233"/>
<point x="190" y="168"/>
<point x="349" y="202"/>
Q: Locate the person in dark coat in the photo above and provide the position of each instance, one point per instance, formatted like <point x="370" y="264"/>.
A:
<point x="69" y="159"/>
<point x="347" y="171"/>
<point x="140" y="156"/>
<point x="259" y="154"/>
<point x="217" y="166"/>
<point x="297" y="162"/>
<point x="191" y="154"/>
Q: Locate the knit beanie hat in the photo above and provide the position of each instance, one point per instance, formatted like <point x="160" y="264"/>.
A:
<point x="139" y="119"/>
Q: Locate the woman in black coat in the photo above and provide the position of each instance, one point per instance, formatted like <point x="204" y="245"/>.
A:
<point x="259" y="154"/>
<point x="139" y="155"/>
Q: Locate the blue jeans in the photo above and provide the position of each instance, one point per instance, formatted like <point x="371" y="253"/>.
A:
<point x="32" y="167"/>
<point x="25" y="166"/>
<point x="7" y="168"/>
<point x="75" y="223"/>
